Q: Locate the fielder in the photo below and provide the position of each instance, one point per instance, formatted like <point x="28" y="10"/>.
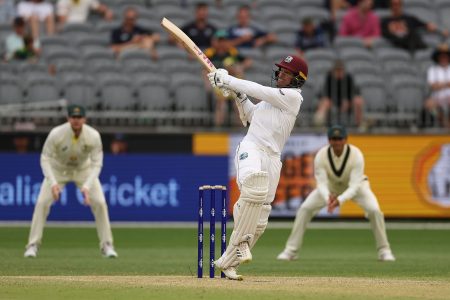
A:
<point x="257" y="159"/>
<point x="339" y="172"/>
<point x="72" y="153"/>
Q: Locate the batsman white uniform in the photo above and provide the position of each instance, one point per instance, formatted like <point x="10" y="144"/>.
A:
<point x="343" y="176"/>
<point x="258" y="161"/>
<point x="64" y="159"/>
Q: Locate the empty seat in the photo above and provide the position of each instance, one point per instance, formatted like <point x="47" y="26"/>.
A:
<point x="73" y="30"/>
<point x="320" y="54"/>
<point x="116" y="93"/>
<point x="375" y="97"/>
<point x="348" y="42"/>
<point x="10" y="90"/>
<point x="54" y="41"/>
<point x="356" y="54"/>
<point x="40" y="89"/>
<point x="139" y="70"/>
<point x="277" y="53"/>
<point x="362" y="67"/>
<point x="318" y="14"/>
<point x="28" y="70"/>
<point x="70" y="70"/>
<point x="95" y="54"/>
<point x="81" y="90"/>
<point x="409" y="96"/>
<point x="426" y="14"/>
<point x="393" y="55"/>
<point x="134" y="56"/>
<point x="443" y="7"/>
<point x="91" y="41"/>
<point x="277" y="12"/>
<point x="153" y="93"/>
<point x="105" y="69"/>
<point x="258" y="77"/>
<point x="58" y="56"/>
<point x="189" y="93"/>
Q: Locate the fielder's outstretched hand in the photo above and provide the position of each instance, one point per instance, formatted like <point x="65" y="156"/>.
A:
<point x="219" y="78"/>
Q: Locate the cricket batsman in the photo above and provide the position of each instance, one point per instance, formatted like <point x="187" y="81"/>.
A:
<point x="339" y="172"/>
<point x="72" y="153"/>
<point x="257" y="159"/>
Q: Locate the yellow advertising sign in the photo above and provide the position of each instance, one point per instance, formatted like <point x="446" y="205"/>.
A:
<point x="410" y="175"/>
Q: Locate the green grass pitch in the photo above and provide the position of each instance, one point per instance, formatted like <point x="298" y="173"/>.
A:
<point x="160" y="263"/>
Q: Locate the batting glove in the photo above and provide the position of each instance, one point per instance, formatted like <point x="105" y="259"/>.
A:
<point x="240" y="99"/>
<point x="219" y="78"/>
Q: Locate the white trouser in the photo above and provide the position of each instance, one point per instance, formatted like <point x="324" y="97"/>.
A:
<point x="45" y="200"/>
<point x="251" y="159"/>
<point x="365" y="198"/>
<point x="256" y="159"/>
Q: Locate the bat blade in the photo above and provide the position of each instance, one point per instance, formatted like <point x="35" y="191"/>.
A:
<point x="188" y="44"/>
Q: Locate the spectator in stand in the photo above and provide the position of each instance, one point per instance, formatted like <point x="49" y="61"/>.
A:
<point x="340" y="92"/>
<point x="246" y="35"/>
<point x="19" y="45"/>
<point x="362" y="22"/>
<point x="7" y="11"/>
<point x="224" y="55"/>
<point x="200" y="31"/>
<point x="402" y="30"/>
<point x="119" y="145"/>
<point x="131" y="36"/>
<point x="77" y="11"/>
<point x="438" y="105"/>
<point x="36" y="12"/>
<point x="309" y="36"/>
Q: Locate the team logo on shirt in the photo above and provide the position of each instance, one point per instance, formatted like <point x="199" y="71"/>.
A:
<point x="431" y="175"/>
<point x="243" y="156"/>
<point x="288" y="59"/>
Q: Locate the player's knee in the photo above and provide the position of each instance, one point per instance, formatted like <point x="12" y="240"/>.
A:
<point x="255" y="187"/>
<point x="374" y="212"/>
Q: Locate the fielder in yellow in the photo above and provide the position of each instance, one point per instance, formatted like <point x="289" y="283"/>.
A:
<point x="339" y="172"/>
<point x="72" y="153"/>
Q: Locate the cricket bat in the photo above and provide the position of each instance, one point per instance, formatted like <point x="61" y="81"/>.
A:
<point x="188" y="44"/>
<point x="192" y="48"/>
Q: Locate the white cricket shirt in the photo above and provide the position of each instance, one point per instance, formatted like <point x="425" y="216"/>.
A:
<point x="271" y="120"/>
<point x="341" y="175"/>
<point x="65" y="153"/>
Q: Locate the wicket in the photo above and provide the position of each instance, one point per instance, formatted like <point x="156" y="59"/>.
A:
<point x="212" y="227"/>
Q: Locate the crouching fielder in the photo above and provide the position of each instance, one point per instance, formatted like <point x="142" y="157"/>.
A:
<point x="72" y="153"/>
<point x="257" y="159"/>
<point x="339" y="172"/>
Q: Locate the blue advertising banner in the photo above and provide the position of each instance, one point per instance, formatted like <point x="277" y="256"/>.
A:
<point x="137" y="187"/>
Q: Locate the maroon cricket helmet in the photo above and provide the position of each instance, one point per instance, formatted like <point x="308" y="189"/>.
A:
<point x="296" y="65"/>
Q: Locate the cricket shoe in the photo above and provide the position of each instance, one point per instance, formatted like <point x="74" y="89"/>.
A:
<point x="287" y="255"/>
<point x="243" y="253"/>
<point x="231" y="273"/>
<point x="31" y="251"/>
<point x="108" y="250"/>
<point x="386" y="255"/>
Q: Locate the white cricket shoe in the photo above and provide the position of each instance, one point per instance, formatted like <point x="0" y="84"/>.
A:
<point x="287" y="255"/>
<point x="231" y="273"/>
<point x="243" y="253"/>
<point x="31" y="251"/>
<point x="108" y="251"/>
<point x="386" y="255"/>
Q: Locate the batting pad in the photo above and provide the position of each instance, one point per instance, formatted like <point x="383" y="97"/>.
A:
<point x="253" y="195"/>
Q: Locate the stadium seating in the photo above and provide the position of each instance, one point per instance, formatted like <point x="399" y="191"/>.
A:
<point x="384" y="73"/>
